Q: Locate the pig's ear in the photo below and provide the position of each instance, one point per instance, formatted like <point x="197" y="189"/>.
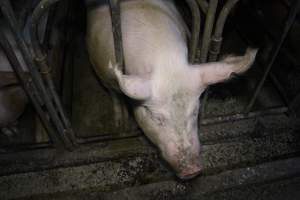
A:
<point x="215" y="72"/>
<point x="133" y="86"/>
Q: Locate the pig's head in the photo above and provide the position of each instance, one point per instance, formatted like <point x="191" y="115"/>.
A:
<point x="168" y="103"/>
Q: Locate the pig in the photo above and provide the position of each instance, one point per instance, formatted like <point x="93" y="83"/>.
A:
<point x="163" y="87"/>
<point x="13" y="99"/>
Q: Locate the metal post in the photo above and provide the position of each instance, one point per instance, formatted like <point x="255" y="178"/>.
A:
<point x="195" y="30"/>
<point x="40" y="58"/>
<point x="30" y="91"/>
<point x="9" y="15"/>
<point x="115" y="12"/>
<point x="217" y="38"/>
<point x="209" y="23"/>
<point x="203" y="5"/>
<point x="216" y="42"/>
<point x="288" y="24"/>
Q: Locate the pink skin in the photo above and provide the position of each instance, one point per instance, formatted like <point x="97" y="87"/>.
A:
<point x="168" y="113"/>
<point x="159" y="79"/>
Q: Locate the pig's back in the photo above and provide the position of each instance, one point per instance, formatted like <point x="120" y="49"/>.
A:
<point x="153" y="36"/>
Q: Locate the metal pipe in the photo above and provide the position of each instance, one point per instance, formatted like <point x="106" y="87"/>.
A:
<point x="9" y="15"/>
<point x="217" y="37"/>
<point x="27" y="85"/>
<point x="195" y="29"/>
<point x="216" y="42"/>
<point x="210" y="18"/>
<point x="41" y="57"/>
<point x="294" y="105"/>
<point x="115" y="12"/>
<point x="203" y="5"/>
<point x="242" y="116"/>
<point x="288" y="24"/>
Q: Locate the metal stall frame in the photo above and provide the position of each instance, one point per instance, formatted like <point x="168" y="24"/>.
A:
<point x="57" y="126"/>
<point x="60" y="127"/>
<point x="215" y="47"/>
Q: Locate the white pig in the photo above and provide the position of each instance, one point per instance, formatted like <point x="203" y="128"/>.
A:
<point x="163" y="86"/>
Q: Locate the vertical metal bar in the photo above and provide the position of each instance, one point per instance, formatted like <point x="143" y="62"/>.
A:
<point x="217" y="37"/>
<point x="203" y="5"/>
<point x="9" y="15"/>
<point x="216" y="42"/>
<point x="41" y="58"/>
<point x="115" y="12"/>
<point x="195" y="29"/>
<point x="288" y="24"/>
<point x="27" y="85"/>
<point x="210" y="18"/>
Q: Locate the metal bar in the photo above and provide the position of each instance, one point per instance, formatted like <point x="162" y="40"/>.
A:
<point x="295" y="104"/>
<point x="27" y="85"/>
<point x="216" y="42"/>
<point x="24" y="147"/>
<point x="271" y="34"/>
<point x="289" y="22"/>
<point x="210" y="18"/>
<point x="275" y="81"/>
<point x="40" y="58"/>
<point x="242" y="116"/>
<point x="277" y="85"/>
<point x="280" y="89"/>
<point x="195" y="29"/>
<point x="9" y="15"/>
<point x="217" y="38"/>
<point x="203" y="5"/>
<point x="115" y="12"/>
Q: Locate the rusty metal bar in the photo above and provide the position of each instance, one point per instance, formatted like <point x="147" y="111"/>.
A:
<point x="195" y="30"/>
<point x="203" y="5"/>
<point x="30" y="91"/>
<point x="209" y="23"/>
<point x="217" y="37"/>
<point x="288" y="24"/>
<point x="63" y="125"/>
<point x="9" y="15"/>
<point x="242" y="116"/>
<point x="115" y="13"/>
<point x="216" y="42"/>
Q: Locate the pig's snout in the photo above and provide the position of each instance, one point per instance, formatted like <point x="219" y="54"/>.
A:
<point x="188" y="169"/>
<point x="186" y="166"/>
<point x="189" y="173"/>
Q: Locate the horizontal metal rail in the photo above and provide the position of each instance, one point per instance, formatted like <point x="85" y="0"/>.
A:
<point x="243" y="116"/>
